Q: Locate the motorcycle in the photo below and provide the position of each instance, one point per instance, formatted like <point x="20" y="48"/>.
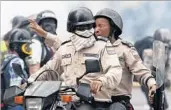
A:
<point x="49" y="95"/>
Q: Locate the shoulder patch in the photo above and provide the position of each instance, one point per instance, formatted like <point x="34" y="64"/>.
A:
<point x="65" y="42"/>
<point x="135" y="53"/>
<point x="66" y="56"/>
<point x="127" y="43"/>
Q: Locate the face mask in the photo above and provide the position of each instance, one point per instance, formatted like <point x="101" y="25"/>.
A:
<point x="85" y="33"/>
<point x="80" y="42"/>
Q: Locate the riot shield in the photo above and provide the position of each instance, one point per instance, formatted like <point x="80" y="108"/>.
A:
<point x="159" y="73"/>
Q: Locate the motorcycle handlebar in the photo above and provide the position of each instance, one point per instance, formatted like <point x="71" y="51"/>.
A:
<point x="48" y="70"/>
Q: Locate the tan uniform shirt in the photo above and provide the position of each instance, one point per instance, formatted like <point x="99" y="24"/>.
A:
<point x="72" y="64"/>
<point x="53" y="41"/>
<point x="131" y="66"/>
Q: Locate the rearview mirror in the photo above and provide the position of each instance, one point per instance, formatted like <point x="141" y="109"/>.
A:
<point x="18" y="70"/>
<point x="10" y="93"/>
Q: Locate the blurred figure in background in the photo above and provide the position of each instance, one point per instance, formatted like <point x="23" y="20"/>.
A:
<point x="164" y="35"/>
<point x="23" y="23"/>
<point x="145" y="50"/>
<point x="4" y="46"/>
<point x="15" y="22"/>
<point x="18" y="50"/>
<point x="41" y="52"/>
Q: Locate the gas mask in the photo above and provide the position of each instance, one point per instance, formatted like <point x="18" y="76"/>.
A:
<point x="24" y="50"/>
<point x="49" y="25"/>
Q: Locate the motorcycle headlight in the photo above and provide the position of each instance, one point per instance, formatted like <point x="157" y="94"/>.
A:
<point x="34" y="103"/>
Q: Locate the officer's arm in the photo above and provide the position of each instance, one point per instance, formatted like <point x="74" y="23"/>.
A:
<point x="112" y="69"/>
<point x="52" y="41"/>
<point x="135" y="65"/>
<point x="53" y="64"/>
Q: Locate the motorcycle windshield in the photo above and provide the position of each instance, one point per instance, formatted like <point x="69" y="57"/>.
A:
<point x="42" y="88"/>
<point x="159" y="61"/>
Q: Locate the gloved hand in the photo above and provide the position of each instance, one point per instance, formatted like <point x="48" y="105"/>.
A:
<point x="151" y="93"/>
<point x="36" y="28"/>
<point x="95" y="86"/>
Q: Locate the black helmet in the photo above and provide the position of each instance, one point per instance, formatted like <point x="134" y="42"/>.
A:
<point x="79" y="17"/>
<point x="20" y="36"/>
<point x="46" y="14"/>
<point x="24" y="22"/>
<point x="20" y="41"/>
<point x="16" y="21"/>
<point x="111" y="15"/>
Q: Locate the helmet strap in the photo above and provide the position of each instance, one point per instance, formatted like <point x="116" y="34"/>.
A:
<point x="112" y="37"/>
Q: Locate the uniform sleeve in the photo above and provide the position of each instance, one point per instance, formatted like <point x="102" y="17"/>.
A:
<point x="53" y="41"/>
<point x="112" y="69"/>
<point x="135" y="65"/>
<point x="53" y="64"/>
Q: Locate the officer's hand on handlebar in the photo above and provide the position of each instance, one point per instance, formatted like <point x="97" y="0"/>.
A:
<point x="36" y="28"/>
<point x="95" y="86"/>
<point x="151" y="93"/>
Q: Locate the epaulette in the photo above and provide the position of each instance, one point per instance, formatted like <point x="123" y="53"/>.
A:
<point x="102" y="39"/>
<point x="127" y="43"/>
<point x="65" y="42"/>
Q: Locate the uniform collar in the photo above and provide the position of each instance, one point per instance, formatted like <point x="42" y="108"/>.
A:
<point x="108" y="44"/>
<point x="117" y="42"/>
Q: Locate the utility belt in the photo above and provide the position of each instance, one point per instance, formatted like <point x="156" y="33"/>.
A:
<point x="125" y="100"/>
<point x="120" y="98"/>
<point x="93" y="104"/>
<point x="101" y="104"/>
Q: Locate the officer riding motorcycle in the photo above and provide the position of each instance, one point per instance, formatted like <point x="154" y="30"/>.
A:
<point x="69" y="61"/>
<point x="109" y="25"/>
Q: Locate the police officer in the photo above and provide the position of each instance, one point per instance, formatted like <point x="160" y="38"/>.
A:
<point x="50" y="39"/>
<point x="164" y="35"/>
<point x="145" y="50"/>
<point x="109" y="24"/>
<point x="41" y="52"/>
<point x="70" y="58"/>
